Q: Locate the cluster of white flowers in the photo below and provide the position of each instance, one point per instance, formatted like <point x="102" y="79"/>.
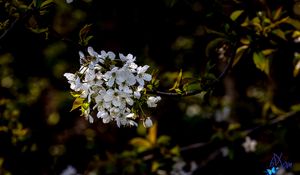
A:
<point x="113" y="86"/>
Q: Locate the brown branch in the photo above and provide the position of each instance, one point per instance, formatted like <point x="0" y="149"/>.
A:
<point x="207" y="87"/>
<point x="13" y="24"/>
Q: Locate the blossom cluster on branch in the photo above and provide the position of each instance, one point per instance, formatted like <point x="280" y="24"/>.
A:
<point x="112" y="86"/>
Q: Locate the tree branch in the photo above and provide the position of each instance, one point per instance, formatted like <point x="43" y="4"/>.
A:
<point x="207" y="87"/>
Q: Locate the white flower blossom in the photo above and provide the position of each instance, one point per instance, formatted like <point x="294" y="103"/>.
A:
<point x="108" y="54"/>
<point x="151" y="101"/>
<point x="111" y="86"/>
<point x="147" y="122"/>
<point x="142" y="76"/>
<point x="69" y="1"/>
<point x="70" y="170"/>
<point x="249" y="145"/>
<point x="282" y="171"/>
<point x="74" y="81"/>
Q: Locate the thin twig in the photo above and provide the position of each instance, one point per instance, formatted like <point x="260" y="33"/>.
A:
<point x="8" y="29"/>
<point x="26" y="14"/>
<point x="209" y="86"/>
<point x="247" y="132"/>
<point x="275" y="121"/>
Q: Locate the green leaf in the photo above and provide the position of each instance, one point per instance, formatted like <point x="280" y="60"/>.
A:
<point x="83" y="35"/>
<point x="177" y="82"/>
<point x="155" y="165"/>
<point x="163" y="140"/>
<point x="37" y="3"/>
<point x="77" y="103"/>
<point x="245" y="41"/>
<point x="141" y="143"/>
<point x="75" y="94"/>
<point x="279" y="33"/>
<point x="296" y="69"/>
<point x="261" y="62"/>
<point x="295" y="23"/>
<point x="234" y="16"/>
<point x="267" y="52"/>
<point x="175" y="150"/>
<point x="234" y="126"/>
<point x="46" y="3"/>
<point x="277" y="14"/>
<point x="239" y="53"/>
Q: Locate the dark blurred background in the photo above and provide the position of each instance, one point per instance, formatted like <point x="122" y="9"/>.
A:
<point x="39" y="43"/>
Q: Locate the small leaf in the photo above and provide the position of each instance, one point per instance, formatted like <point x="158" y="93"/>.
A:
<point x="152" y="133"/>
<point x="239" y="53"/>
<point x="163" y="140"/>
<point x="3" y="129"/>
<point x="178" y="91"/>
<point x="77" y="103"/>
<point x="276" y="110"/>
<point x="261" y="62"/>
<point x="296" y="34"/>
<point x="245" y="41"/>
<point x="46" y="3"/>
<point x="234" y="126"/>
<point x="256" y="23"/>
<point x="155" y="166"/>
<point x="236" y="14"/>
<point x="295" y="107"/>
<point x="279" y="33"/>
<point x="75" y="94"/>
<point x="140" y="142"/>
<point x="178" y="81"/>
<point x="267" y="52"/>
<point x="83" y="35"/>
<point x="293" y="22"/>
<point x="296" y="69"/>
<point x="246" y="22"/>
<point x="277" y="14"/>
<point x="175" y="150"/>
<point x="37" y="3"/>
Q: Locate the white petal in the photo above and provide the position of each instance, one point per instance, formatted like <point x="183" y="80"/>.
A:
<point x="137" y="94"/>
<point x="131" y="80"/>
<point x="148" y="122"/>
<point x="129" y="101"/>
<point x="91" y="119"/>
<point x="82" y="57"/>
<point x="70" y="76"/>
<point x="102" y="114"/>
<point x="140" y="81"/>
<point x="111" y="55"/>
<point x="110" y="82"/>
<point x="122" y="57"/>
<point x="127" y="90"/>
<point x="131" y="115"/>
<point x="91" y="52"/>
<point x="107" y="98"/>
<point x="132" y="123"/>
<point x="140" y="88"/>
<point x="106" y="119"/>
<point x="116" y="102"/>
<point x="147" y="77"/>
<point x="118" y="122"/>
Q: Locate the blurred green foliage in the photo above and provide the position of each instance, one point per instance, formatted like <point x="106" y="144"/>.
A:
<point x="241" y="57"/>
